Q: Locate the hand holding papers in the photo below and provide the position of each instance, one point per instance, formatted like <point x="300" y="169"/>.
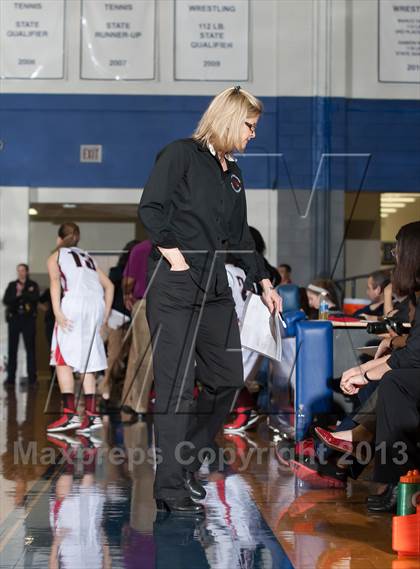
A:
<point x="117" y="319"/>
<point x="260" y="330"/>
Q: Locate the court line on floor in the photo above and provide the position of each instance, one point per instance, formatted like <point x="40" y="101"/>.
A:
<point x="10" y="524"/>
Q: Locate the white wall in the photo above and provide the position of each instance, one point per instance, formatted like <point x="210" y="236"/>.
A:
<point x="94" y="237"/>
<point x="362" y="256"/>
<point x="299" y="48"/>
<point x="14" y="234"/>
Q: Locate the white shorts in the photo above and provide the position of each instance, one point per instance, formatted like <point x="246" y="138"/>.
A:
<point x="82" y="347"/>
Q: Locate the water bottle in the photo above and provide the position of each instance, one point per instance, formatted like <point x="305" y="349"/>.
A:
<point x="300" y="423"/>
<point x="408" y="493"/>
<point x="323" y="307"/>
<point x="406" y="524"/>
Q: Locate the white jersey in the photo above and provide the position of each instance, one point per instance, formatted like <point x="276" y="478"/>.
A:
<point x="236" y="278"/>
<point x="78" y="272"/>
<point x="81" y="347"/>
<point x="76" y="522"/>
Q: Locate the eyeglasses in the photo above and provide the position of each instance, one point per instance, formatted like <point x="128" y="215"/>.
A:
<point x="252" y="127"/>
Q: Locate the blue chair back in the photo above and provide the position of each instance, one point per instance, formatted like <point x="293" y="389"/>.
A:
<point x="291" y="297"/>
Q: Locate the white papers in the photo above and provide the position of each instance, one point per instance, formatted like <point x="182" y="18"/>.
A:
<point x="117" y="319"/>
<point x="32" y="39"/>
<point x="368" y="350"/>
<point x="260" y="331"/>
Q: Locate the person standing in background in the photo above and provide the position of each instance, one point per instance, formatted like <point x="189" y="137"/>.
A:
<point x="21" y="299"/>
<point x="261" y="248"/>
<point x="139" y="375"/>
<point x="114" y="336"/>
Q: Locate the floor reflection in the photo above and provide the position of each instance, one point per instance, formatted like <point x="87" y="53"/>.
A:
<point x="93" y="509"/>
<point x="78" y="502"/>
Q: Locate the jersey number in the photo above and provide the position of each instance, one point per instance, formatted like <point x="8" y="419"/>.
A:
<point x="85" y="260"/>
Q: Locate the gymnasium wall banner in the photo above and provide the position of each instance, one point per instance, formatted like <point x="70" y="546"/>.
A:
<point x="211" y="40"/>
<point x="399" y="41"/>
<point x="32" y="39"/>
<point x="118" y="40"/>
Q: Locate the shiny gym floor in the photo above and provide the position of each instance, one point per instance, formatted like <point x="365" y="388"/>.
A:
<point x="86" y="503"/>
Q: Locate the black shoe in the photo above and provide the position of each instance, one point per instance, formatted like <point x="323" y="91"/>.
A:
<point x="131" y="416"/>
<point x="375" y="498"/>
<point x="9" y="382"/>
<point x="387" y="502"/>
<point x="179" y="506"/>
<point x="194" y="487"/>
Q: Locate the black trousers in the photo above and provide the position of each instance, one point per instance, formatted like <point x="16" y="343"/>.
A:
<point x="190" y="327"/>
<point x="25" y="325"/>
<point x="397" y="425"/>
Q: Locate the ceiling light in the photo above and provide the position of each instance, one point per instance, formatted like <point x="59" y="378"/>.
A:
<point x="390" y="199"/>
<point x="69" y="205"/>
<point x="388" y="210"/>
<point x="383" y="215"/>
<point x="393" y="204"/>
<point x="32" y="211"/>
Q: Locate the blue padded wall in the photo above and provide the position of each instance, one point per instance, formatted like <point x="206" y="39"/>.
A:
<point x="42" y="135"/>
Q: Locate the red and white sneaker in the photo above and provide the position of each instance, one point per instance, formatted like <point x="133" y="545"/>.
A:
<point x="69" y="420"/>
<point x="243" y="421"/>
<point x="90" y="421"/>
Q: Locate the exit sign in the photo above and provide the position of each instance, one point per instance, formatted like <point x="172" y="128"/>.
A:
<point x="91" y="153"/>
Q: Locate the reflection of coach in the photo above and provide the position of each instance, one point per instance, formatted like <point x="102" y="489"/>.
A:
<point x="21" y="299"/>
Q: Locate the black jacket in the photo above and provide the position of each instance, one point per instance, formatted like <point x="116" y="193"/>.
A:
<point x="409" y="356"/>
<point x="115" y="276"/>
<point x="25" y="304"/>
<point x="190" y="203"/>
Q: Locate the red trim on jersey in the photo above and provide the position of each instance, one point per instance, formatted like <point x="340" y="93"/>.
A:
<point x="56" y="509"/>
<point x="59" y="360"/>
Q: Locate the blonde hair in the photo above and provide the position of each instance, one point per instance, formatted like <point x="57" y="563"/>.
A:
<point x="69" y="233"/>
<point x="222" y="121"/>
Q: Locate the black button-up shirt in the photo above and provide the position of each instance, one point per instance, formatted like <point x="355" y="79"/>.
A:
<point x="409" y="356"/>
<point x="190" y="203"/>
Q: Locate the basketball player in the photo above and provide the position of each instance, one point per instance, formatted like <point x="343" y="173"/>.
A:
<point x="77" y="345"/>
<point x="245" y="414"/>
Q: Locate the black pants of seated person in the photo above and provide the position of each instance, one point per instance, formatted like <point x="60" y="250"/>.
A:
<point x="397" y="425"/>
<point x="365" y="414"/>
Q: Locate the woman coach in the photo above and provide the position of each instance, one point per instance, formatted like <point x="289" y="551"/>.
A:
<point x="194" y="208"/>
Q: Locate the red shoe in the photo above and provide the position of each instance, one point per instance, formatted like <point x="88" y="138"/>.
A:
<point x="333" y="442"/>
<point x="63" y="441"/>
<point x="69" y="420"/>
<point x="285" y="451"/>
<point x="308" y="473"/>
<point x="68" y="446"/>
<point x="305" y="448"/>
<point x="243" y="421"/>
<point x="90" y="421"/>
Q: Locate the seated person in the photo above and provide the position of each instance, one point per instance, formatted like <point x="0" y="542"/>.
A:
<point x="394" y="416"/>
<point x="377" y="281"/>
<point x="318" y="289"/>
